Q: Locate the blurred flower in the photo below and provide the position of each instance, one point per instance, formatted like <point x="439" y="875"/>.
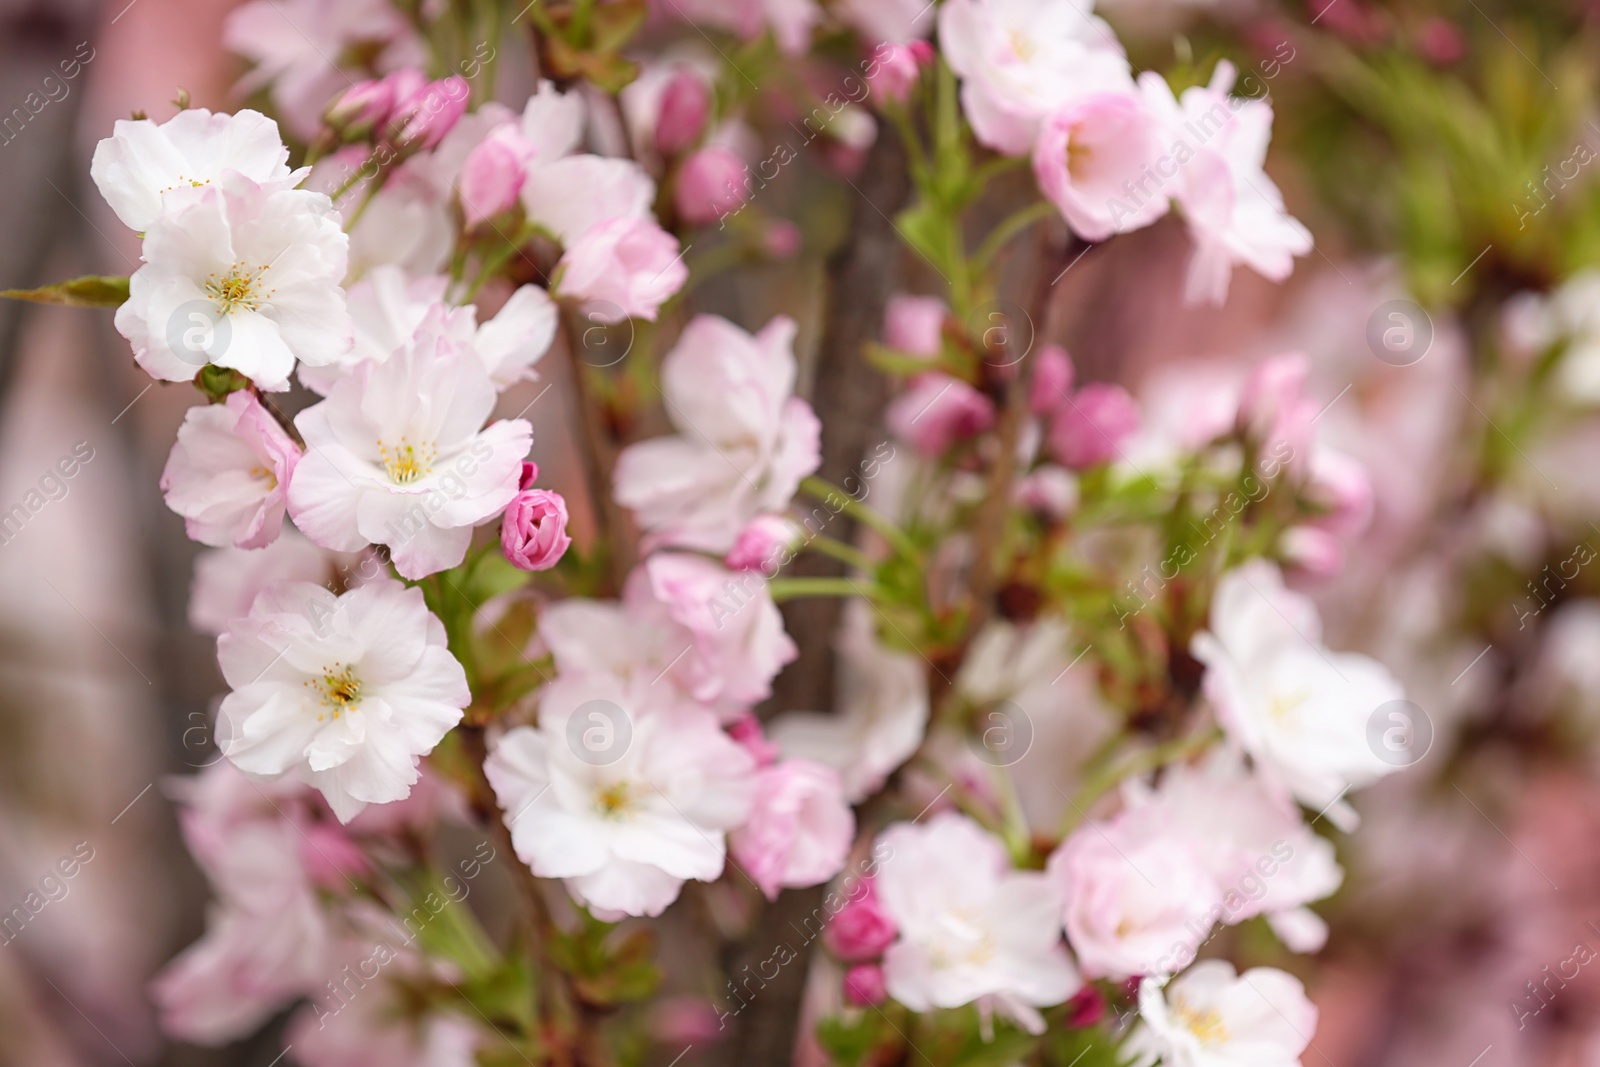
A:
<point x="861" y="930"/>
<point x="971" y="928"/>
<point x="880" y="715"/>
<point x="1208" y="1017"/>
<point x="799" y="829"/>
<point x="936" y="411"/>
<point x="1089" y="429"/>
<point x="1089" y="153"/>
<point x="1022" y="60"/>
<point x="1299" y="709"/>
<point x="711" y="183"/>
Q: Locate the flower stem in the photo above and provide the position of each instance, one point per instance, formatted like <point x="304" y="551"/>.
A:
<point x="879" y="523"/>
<point x="790" y="588"/>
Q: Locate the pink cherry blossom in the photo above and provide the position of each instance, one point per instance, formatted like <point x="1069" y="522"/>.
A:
<point x="1235" y="212"/>
<point x="533" y="533"/>
<point x="799" y="829"/>
<point x="398" y="455"/>
<point x="1023" y="60"/>
<point x="228" y="474"/>
<point x="685" y="105"/>
<point x="1085" y="154"/>
<point x="243" y="275"/>
<point x="625" y="267"/>
<point x="744" y="442"/>
<point x="762" y="544"/>
<point x="492" y="176"/>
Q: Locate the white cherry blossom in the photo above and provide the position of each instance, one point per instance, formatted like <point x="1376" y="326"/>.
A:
<point x="348" y="692"/>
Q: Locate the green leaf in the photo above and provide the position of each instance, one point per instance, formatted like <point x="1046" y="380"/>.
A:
<point x="89" y="291"/>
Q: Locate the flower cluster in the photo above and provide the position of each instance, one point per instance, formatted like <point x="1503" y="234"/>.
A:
<point x="1076" y="704"/>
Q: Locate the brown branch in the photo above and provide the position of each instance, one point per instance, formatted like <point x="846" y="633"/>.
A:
<point x="614" y="530"/>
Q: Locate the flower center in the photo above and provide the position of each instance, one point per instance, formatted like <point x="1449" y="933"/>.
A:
<point x="240" y="288"/>
<point x="339" y="688"/>
<point x="1205" y="1025"/>
<point x="406" y="462"/>
<point x="1023" y="46"/>
<point x="265" y="475"/>
<point x="1284" y="703"/>
<point x="614" y="800"/>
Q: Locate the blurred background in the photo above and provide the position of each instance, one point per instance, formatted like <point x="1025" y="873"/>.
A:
<point x="1443" y="154"/>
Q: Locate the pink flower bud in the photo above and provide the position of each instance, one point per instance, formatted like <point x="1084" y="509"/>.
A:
<point x="362" y="107"/>
<point x="492" y="176"/>
<point x="896" y="71"/>
<point x="625" y="267"/>
<point x="761" y="544"/>
<point x="1087" y="1007"/>
<point x="685" y="104"/>
<point x="422" y="119"/>
<point x="914" y="324"/>
<point x="1052" y="380"/>
<point x="533" y="533"/>
<point x="1090" y="428"/>
<point x="937" y="411"/>
<point x="711" y="183"/>
<point x="530" y="474"/>
<point x="864" y="985"/>
<point x="782" y="239"/>
<point x="862" y="930"/>
<point x="1439" y="41"/>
